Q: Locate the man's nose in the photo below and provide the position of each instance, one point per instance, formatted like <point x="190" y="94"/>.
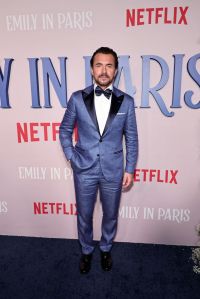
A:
<point x="104" y="70"/>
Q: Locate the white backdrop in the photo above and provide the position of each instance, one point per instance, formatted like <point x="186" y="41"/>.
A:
<point x="37" y="194"/>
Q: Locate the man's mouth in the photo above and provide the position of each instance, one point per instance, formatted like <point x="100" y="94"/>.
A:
<point x="104" y="77"/>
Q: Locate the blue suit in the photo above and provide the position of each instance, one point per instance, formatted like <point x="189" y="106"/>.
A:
<point x="97" y="160"/>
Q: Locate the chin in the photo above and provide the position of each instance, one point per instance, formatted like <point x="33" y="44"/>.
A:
<point x="105" y="83"/>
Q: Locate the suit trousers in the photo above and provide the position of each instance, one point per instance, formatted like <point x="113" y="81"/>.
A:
<point x="87" y="183"/>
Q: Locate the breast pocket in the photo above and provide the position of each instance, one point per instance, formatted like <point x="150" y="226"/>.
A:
<point x="120" y="118"/>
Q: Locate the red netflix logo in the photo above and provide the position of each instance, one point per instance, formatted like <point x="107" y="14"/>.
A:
<point x="155" y="175"/>
<point x="54" y="208"/>
<point x="156" y="15"/>
<point x="36" y="132"/>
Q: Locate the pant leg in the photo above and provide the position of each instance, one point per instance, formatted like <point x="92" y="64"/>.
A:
<point x="86" y="187"/>
<point x="110" y="194"/>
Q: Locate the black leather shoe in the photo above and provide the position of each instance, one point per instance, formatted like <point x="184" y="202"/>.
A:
<point x="85" y="263"/>
<point x="106" y="261"/>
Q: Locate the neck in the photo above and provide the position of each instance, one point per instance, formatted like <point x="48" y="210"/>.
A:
<point x="104" y="87"/>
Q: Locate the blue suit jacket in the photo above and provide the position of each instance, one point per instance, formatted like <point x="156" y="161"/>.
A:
<point x="91" y="145"/>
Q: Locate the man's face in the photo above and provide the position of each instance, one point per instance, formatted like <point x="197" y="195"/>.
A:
<point x="103" y="69"/>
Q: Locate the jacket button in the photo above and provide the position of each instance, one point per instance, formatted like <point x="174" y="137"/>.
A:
<point x="97" y="155"/>
<point x="100" y="140"/>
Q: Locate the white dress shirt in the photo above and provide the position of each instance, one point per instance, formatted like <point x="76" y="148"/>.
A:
<point x="102" y="107"/>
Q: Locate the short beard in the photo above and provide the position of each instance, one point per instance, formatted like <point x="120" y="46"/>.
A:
<point x="104" y="84"/>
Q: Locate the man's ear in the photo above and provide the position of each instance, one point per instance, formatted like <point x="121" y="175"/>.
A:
<point x="91" y="70"/>
<point x="116" y="71"/>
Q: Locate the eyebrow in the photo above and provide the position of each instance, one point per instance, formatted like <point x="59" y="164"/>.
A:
<point x="109" y="64"/>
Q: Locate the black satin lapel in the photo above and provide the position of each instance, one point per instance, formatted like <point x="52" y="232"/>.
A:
<point x="114" y="108"/>
<point x="89" y="103"/>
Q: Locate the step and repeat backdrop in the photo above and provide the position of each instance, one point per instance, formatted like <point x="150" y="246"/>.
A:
<point x="44" y="57"/>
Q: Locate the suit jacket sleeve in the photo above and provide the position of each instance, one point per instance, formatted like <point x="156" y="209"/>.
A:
<point x="66" y="128"/>
<point x="131" y="139"/>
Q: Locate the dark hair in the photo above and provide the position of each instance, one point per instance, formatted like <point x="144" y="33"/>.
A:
<point x="105" y="50"/>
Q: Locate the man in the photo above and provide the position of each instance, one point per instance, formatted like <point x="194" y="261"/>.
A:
<point x="103" y="114"/>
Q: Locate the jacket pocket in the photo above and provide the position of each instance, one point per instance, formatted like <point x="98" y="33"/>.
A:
<point x="117" y="152"/>
<point x="79" y="149"/>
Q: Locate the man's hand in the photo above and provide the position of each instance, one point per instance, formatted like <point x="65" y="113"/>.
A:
<point x="127" y="180"/>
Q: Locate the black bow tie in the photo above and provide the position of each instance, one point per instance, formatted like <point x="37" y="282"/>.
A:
<point x="107" y="93"/>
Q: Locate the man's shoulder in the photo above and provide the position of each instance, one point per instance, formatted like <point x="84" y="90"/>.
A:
<point x="81" y="93"/>
<point x="86" y="90"/>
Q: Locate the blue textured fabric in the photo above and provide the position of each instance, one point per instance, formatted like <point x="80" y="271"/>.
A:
<point x="91" y="144"/>
<point x="97" y="159"/>
<point x="86" y="186"/>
